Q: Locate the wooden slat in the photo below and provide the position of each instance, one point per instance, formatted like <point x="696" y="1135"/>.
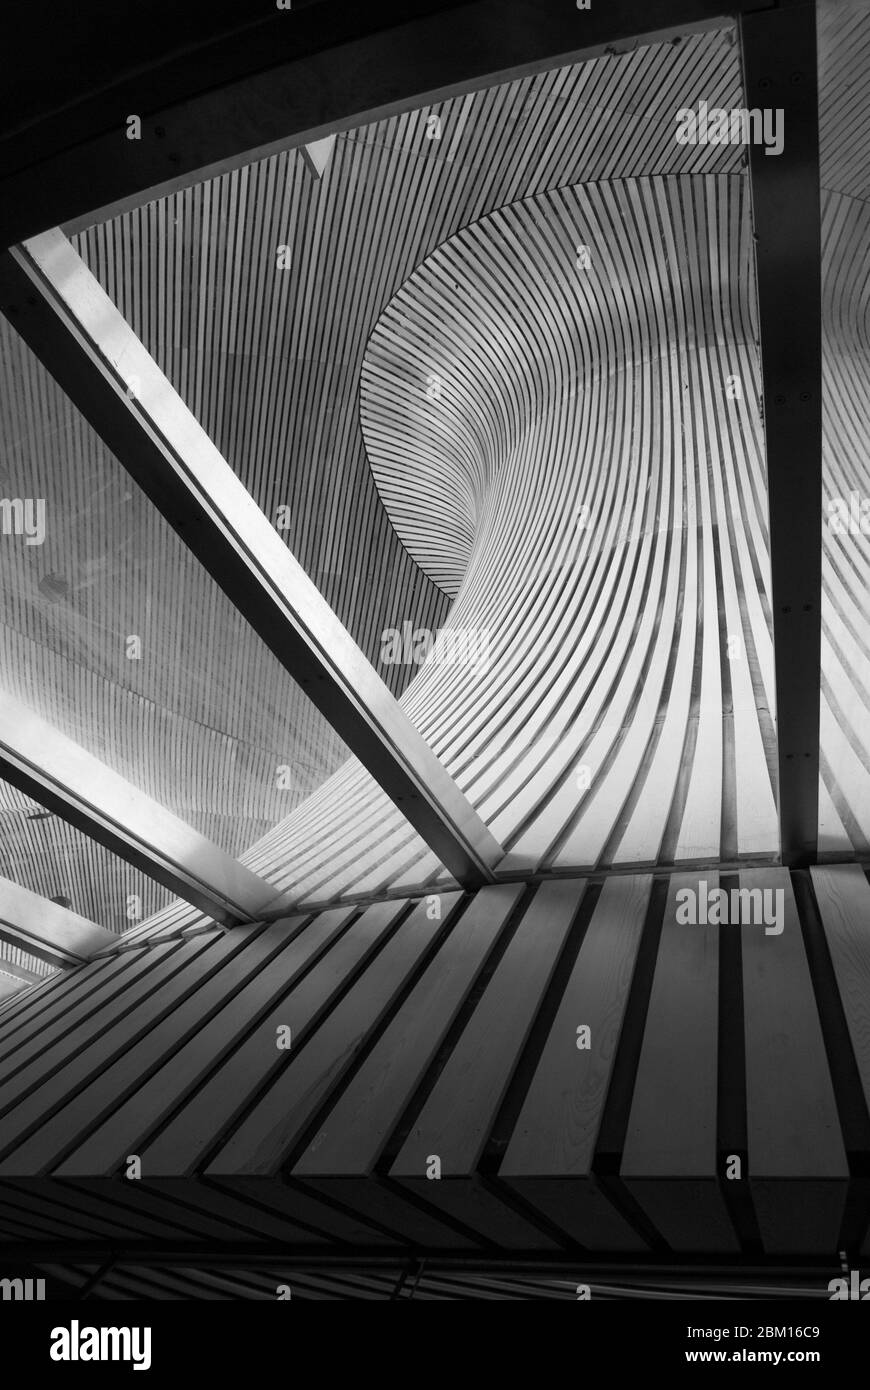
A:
<point x="296" y="1202"/>
<point x="458" y="1115"/>
<point x="59" y="1070"/>
<point x="98" y="1219"/>
<point x="196" y="1036"/>
<point x="270" y="1130"/>
<point x="550" y="1154"/>
<point x="797" y="1163"/>
<point x="72" y="1011"/>
<point x="45" y="987"/>
<point x="843" y="896"/>
<point x="72" y="990"/>
<point x="353" y="1135"/>
<point x="261" y="1144"/>
<point x="255" y="1059"/>
<point x="669" y="1159"/>
<point x="594" y="630"/>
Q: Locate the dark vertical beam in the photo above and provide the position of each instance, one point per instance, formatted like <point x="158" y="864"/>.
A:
<point x="779" y="58"/>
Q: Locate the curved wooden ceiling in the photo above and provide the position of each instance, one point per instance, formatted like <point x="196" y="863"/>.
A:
<point x="617" y="497"/>
<point x="844" y="131"/>
<point x="294" y="373"/>
<point x="270" y="363"/>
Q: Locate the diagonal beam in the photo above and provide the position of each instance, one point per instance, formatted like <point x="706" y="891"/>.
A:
<point x="779" y="57"/>
<point x="74" y="328"/>
<point x="46" y="930"/>
<point x="59" y="774"/>
<point x="18" y="972"/>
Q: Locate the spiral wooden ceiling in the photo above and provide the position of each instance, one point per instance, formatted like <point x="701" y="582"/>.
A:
<point x="457" y="258"/>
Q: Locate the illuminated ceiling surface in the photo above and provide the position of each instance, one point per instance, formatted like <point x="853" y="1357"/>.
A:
<point x="583" y="452"/>
<point x="492" y="366"/>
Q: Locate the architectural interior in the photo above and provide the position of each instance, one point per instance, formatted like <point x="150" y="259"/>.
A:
<point x="435" y="657"/>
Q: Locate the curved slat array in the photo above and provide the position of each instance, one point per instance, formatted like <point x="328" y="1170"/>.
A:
<point x="636" y="645"/>
<point x="844" y="816"/>
<point x="456" y="1037"/>
<point x="610" y="116"/>
<point x="567" y="430"/>
<point x="601" y="424"/>
<point x="844" y="132"/>
<point x="269" y="363"/>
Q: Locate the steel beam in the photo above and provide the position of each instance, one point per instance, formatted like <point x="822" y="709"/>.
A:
<point x="45" y="930"/>
<point x="288" y="79"/>
<point x="59" y="774"/>
<point x="779" y="58"/>
<point x="77" y="332"/>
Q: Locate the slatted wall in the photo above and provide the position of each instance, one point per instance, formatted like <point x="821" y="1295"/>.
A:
<point x="538" y="1067"/>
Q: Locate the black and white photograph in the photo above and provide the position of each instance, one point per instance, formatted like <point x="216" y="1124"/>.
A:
<point x="434" y="671"/>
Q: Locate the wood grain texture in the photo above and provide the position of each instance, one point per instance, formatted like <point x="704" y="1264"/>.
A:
<point x="461" y="1109"/>
<point x="549" y="1157"/>
<point x="669" y="1161"/>
<point x="562" y="388"/>
<point x="352" y="1138"/>
<point x="401" y="1049"/>
<point x="270" y="363"/>
<point x="793" y="1129"/>
<point x="843" y="895"/>
<point x="255" y="1058"/>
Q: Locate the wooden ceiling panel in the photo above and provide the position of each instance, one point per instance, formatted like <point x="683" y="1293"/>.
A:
<point x="270" y="362"/>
